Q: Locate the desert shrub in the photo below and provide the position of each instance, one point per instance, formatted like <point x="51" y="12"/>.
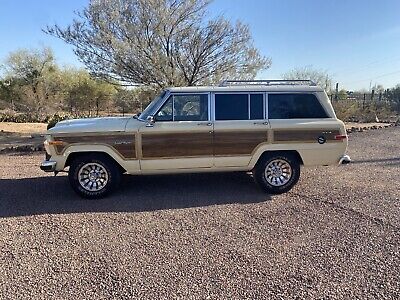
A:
<point x="21" y="118"/>
<point x="54" y="119"/>
<point x="354" y="111"/>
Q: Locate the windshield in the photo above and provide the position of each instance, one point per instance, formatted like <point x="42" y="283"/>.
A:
<point x="150" y="108"/>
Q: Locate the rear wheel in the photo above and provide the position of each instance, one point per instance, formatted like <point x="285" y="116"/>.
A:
<point x="93" y="176"/>
<point x="277" y="173"/>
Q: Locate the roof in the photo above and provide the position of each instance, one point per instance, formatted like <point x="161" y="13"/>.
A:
<point x="247" y="88"/>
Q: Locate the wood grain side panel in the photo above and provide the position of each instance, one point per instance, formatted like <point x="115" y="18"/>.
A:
<point x="301" y="136"/>
<point x="124" y="144"/>
<point x="238" y="142"/>
<point x="176" y="145"/>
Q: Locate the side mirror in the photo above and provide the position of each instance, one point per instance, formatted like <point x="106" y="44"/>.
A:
<point x="150" y="121"/>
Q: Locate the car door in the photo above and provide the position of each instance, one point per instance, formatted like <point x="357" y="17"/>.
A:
<point x="181" y="135"/>
<point x="240" y="127"/>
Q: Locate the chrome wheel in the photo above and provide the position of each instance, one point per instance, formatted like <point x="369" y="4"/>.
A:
<point x="93" y="177"/>
<point x="278" y="172"/>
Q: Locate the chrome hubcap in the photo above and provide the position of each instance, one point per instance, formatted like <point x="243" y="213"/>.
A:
<point x="92" y="177"/>
<point x="278" y="172"/>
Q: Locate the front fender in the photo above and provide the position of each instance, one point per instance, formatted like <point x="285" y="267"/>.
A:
<point x="130" y="165"/>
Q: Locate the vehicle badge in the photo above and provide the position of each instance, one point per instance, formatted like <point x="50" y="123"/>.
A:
<point x="321" y="139"/>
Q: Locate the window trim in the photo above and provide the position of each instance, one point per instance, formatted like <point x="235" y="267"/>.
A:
<point x="301" y="93"/>
<point x="173" y="94"/>
<point x="265" y="108"/>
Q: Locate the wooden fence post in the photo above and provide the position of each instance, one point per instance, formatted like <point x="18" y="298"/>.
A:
<point x="363" y="104"/>
<point x="337" y="91"/>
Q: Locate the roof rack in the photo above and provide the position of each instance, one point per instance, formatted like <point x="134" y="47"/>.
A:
<point x="267" y="82"/>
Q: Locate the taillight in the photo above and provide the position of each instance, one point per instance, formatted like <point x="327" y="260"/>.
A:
<point x="340" y="137"/>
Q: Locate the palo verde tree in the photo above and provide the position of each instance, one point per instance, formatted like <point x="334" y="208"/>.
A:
<point x="161" y="43"/>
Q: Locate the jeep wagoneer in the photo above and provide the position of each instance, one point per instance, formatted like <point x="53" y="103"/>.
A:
<point x="269" y="127"/>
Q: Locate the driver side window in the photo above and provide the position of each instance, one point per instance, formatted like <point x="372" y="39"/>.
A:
<point x="187" y="107"/>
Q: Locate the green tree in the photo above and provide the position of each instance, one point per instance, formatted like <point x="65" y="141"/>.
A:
<point x="393" y="96"/>
<point x="342" y="95"/>
<point x="25" y="74"/>
<point x="86" y="94"/>
<point x="161" y="43"/>
<point x="128" y="100"/>
<point x="320" y="77"/>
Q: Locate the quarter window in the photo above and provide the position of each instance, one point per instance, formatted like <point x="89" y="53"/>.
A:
<point x="184" y="108"/>
<point x="295" y="106"/>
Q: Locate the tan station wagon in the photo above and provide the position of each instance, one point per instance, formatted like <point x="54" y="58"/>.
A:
<point x="269" y="127"/>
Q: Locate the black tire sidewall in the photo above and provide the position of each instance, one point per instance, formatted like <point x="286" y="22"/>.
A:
<point x="265" y="185"/>
<point x="113" y="176"/>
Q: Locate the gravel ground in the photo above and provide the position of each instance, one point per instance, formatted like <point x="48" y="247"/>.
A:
<point x="209" y="236"/>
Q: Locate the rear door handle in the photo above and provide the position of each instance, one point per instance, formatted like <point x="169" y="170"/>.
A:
<point x="205" y="124"/>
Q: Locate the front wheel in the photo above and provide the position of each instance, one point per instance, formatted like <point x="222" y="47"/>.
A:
<point x="93" y="176"/>
<point x="277" y="173"/>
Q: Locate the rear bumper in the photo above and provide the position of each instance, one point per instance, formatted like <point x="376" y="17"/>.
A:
<point x="345" y="159"/>
<point x="48" y="166"/>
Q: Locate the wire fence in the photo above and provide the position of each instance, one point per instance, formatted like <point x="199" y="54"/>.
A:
<point x="354" y="106"/>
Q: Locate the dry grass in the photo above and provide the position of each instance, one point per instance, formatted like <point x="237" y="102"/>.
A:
<point x="23" y="128"/>
<point x="352" y="124"/>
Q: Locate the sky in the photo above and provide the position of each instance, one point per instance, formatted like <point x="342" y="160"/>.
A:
<point x="357" y="42"/>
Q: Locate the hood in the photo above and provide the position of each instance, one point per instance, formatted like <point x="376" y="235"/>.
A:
<point x="109" y="124"/>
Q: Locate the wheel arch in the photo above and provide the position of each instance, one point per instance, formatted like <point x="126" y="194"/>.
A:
<point x="76" y="154"/>
<point x="269" y="153"/>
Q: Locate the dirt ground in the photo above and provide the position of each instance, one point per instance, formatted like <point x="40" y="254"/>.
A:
<point x="207" y="236"/>
<point x="23" y="128"/>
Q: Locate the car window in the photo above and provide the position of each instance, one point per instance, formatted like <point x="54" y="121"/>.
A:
<point x="256" y="106"/>
<point x="231" y="107"/>
<point x="191" y="107"/>
<point x="294" y="106"/>
<point x="152" y="106"/>
<point x="184" y="108"/>
<point x="236" y="106"/>
<point x="165" y="113"/>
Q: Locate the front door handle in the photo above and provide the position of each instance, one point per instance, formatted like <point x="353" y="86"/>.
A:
<point x="205" y="124"/>
<point x="261" y="123"/>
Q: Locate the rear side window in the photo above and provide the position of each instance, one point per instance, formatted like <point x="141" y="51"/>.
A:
<point x="239" y="106"/>
<point x="295" y="106"/>
<point x="231" y="107"/>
